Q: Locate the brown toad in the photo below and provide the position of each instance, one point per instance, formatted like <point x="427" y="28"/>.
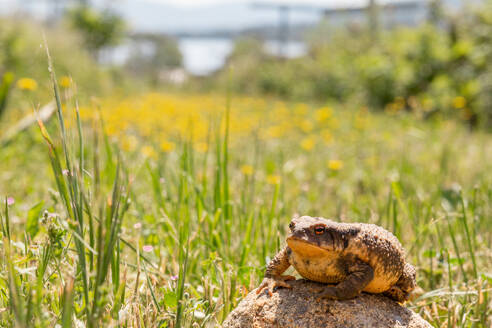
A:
<point x="355" y="256"/>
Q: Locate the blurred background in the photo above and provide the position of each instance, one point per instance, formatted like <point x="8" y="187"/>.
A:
<point x="213" y="122"/>
<point x="426" y="57"/>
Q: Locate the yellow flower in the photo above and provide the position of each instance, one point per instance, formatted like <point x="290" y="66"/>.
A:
<point x="273" y="179"/>
<point x="129" y="143"/>
<point x="323" y="114"/>
<point x="335" y="164"/>
<point x="459" y="102"/>
<point x="111" y="129"/>
<point x="275" y="131"/>
<point x="201" y="147"/>
<point x="360" y="121"/>
<point x="327" y="137"/>
<point x="301" y="109"/>
<point x="247" y="169"/>
<point x="148" y="151"/>
<point x="65" y="82"/>
<point x="167" y="146"/>
<point x="308" y="143"/>
<point x="306" y="126"/>
<point x="27" y="84"/>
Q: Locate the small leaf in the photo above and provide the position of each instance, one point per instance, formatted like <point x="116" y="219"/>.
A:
<point x="487" y="276"/>
<point x="456" y="261"/>
<point x="430" y="253"/>
<point x="171" y="300"/>
<point x="32" y="224"/>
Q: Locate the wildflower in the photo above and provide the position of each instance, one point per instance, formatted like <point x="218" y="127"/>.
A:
<point x="360" y="121"/>
<point x="129" y="143"/>
<point x="306" y="126"/>
<point x="323" y="114"/>
<point x="247" y="169"/>
<point x="148" y="248"/>
<point x="175" y="277"/>
<point x="308" y="143"/>
<point x="198" y="314"/>
<point x="148" y="151"/>
<point x="459" y="102"/>
<point x="123" y="314"/>
<point x="10" y="201"/>
<point x="26" y="83"/>
<point x="66" y="172"/>
<point x="273" y="179"/>
<point x="275" y="131"/>
<point x="65" y="82"/>
<point x="327" y="137"/>
<point x="137" y="225"/>
<point x="301" y="109"/>
<point x="335" y="164"/>
<point x="167" y="146"/>
<point x="201" y="147"/>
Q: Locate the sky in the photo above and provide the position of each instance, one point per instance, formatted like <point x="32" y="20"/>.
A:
<point x="189" y="16"/>
<point x="195" y="3"/>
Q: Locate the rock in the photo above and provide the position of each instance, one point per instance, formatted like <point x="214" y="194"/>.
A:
<point x="298" y="307"/>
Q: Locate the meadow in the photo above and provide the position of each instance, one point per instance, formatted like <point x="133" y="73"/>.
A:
<point x="162" y="210"/>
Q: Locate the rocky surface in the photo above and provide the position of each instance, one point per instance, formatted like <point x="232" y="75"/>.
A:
<point x="298" y="307"/>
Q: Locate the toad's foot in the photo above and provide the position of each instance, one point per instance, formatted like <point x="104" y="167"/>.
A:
<point x="360" y="275"/>
<point x="333" y="293"/>
<point x="397" y="294"/>
<point x="270" y="283"/>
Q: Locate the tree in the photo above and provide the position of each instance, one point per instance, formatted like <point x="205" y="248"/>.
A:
<point x="162" y="56"/>
<point x="99" y="29"/>
<point x="373" y="19"/>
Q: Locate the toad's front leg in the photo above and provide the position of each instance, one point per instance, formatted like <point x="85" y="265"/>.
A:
<point x="273" y="274"/>
<point x="360" y="275"/>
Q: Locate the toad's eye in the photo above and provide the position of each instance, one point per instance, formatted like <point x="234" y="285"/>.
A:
<point x="291" y="225"/>
<point x="319" y="230"/>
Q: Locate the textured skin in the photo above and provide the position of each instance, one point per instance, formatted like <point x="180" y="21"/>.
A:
<point x="354" y="256"/>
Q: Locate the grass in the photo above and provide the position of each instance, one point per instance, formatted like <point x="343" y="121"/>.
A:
<point x="147" y="233"/>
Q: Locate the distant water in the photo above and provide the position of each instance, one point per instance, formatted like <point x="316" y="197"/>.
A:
<point x="202" y="56"/>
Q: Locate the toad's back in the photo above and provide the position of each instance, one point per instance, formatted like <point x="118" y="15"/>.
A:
<point x="354" y="256"/>
<point x="365" y="242"/>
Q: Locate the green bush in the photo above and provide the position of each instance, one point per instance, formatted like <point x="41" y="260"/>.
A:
<point x="99" y="29"/>
<point x="23" y="55"/>
<point x="433" y="70"/>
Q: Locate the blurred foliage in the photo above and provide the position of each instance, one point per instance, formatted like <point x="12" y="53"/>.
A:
<point x="5" y="84"/>
<point x="99" y="29"/>
<point x="23" y="66"/>
<point x="438" y="69"/>
<point x="152" y="56"/>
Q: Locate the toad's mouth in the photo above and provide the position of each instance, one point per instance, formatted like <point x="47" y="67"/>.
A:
<point x="303" y="247"/>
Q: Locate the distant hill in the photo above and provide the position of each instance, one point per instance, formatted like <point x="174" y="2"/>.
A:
<point x="228" y="17"/>
<point x="151" y="16"/>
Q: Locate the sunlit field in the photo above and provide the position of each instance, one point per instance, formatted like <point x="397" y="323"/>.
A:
<point x="162" y="210"/>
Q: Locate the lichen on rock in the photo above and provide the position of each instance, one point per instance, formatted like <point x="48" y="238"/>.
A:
<point x="298" y="307"/>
